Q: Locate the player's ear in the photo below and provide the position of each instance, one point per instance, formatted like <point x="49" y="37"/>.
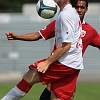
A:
<point x="86" y="9"/>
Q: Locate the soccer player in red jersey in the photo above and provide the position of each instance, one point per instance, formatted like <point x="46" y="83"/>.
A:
<point x="89" y="36"/>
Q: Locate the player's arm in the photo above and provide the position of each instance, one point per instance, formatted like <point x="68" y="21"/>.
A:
<point x="47" y="33"/>
<point x="62" y="49"/>
<point x="25" y="37"/>
<point x="95" y="40"/>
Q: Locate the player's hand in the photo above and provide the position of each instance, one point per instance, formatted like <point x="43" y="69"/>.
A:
<point x="42" y="67"/>
<point x="11" y="35"/>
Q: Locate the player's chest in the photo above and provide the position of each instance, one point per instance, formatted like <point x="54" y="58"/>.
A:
<point x="86" y="36"/>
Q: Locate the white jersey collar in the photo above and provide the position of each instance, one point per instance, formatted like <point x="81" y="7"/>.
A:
<point x="83" y="22"/>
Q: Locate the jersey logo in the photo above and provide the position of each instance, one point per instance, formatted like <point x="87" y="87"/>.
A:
<point x="83" y="33"/>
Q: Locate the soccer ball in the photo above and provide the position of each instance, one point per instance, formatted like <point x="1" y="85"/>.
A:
<point x="46" y="8"/>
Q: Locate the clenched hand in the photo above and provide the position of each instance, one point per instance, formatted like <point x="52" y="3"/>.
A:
<point x="11" y="35"/>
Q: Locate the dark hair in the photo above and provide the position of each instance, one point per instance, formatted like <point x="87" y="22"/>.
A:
<point x="74" y="2"/>
<point x="86" y="2"/>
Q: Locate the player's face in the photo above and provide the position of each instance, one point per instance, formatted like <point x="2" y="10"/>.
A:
<point x="81" y="9"/>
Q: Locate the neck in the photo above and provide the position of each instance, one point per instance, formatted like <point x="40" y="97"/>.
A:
<point x="82" y="20"/>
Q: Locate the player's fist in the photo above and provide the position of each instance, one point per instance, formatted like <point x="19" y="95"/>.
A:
<point x="11" y="35"/>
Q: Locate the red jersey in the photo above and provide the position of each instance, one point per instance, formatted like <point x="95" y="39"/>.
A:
<point x="49" y="31"/>
<point x="89" y="35"/>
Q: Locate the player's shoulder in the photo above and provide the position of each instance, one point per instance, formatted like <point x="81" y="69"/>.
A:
<point x="51" y="24"/>
<point x="67" y="10"/>
<point x="87" y="25"/>
<point x="69" y="15"/>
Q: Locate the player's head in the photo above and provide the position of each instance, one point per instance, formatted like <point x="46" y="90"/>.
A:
<point x="82" y="7"/>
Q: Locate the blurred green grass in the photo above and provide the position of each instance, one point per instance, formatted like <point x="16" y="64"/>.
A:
<point x="85" y="91"/>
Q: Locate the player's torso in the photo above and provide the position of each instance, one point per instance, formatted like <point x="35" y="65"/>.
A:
<point x="66" y="23"/>
<point x="68" y="30"/>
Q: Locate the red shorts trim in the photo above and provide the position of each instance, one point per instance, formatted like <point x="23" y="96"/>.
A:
<point x="62" y="78"/>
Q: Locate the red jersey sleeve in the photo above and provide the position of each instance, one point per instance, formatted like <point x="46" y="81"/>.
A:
<point x="96" y="39"/>
<point x="49" y="31"/>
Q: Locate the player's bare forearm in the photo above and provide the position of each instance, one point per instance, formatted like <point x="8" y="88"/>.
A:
<point x="25" y="37"/>
<point x="62" y="49"/>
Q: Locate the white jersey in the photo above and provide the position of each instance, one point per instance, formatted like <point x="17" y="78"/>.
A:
<point x="68" y="29"/>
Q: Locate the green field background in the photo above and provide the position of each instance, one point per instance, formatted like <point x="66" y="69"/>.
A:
<point x="85" y="91"/>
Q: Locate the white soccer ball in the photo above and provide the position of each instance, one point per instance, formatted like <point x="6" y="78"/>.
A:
<point x="46" y="8"/>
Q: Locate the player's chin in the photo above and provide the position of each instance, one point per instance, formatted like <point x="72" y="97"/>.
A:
<point x="80" y="15"/>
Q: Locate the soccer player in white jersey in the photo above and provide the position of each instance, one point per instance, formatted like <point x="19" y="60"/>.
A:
<point x="64" y="63"/>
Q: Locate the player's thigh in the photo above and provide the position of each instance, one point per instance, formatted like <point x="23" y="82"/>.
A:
<point x="31" y="77"/>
